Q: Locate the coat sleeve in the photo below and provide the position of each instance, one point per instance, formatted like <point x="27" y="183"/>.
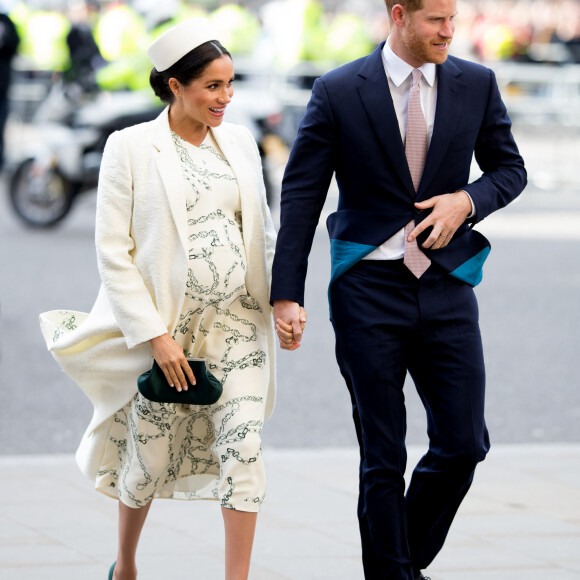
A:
<point x="269" y="230"/>
<point x="264" y="209"/>
<point x="130" y="300"/>
<point x="304" y="189"/>
<point x="504" y="175"/>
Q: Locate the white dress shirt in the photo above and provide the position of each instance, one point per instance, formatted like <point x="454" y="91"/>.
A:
<point x="399" y="76"/>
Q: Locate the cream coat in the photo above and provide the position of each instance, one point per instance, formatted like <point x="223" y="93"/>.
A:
<point x="141" y="238"/>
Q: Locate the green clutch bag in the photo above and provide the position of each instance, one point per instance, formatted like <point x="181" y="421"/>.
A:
<point x="207" y="390"/>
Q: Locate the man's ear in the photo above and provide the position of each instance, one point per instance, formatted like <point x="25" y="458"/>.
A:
<point x="398" y="15"/>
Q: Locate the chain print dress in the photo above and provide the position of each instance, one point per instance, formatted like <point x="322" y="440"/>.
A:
<point x="202" y="452"/>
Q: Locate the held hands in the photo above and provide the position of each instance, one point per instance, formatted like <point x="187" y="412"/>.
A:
<point x="170" y="358"/>
<point x="450" y="210"/>
<point x="290" y="319"/>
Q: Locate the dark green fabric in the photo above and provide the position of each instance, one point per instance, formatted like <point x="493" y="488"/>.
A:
<point x="154" y="386"/>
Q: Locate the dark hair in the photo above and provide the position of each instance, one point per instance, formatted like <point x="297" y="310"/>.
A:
<point x="186" y="69"/>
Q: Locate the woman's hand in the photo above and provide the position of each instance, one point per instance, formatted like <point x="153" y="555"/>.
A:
<point x="170" y="358"/>
<point x="290" y="319"/>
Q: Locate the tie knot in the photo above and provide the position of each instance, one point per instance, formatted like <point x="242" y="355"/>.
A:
<point x="416" y="76"/>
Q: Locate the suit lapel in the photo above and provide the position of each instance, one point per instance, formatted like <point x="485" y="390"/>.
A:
<point x="374" y="91"/>
<point x="373" y="88"/>
<point x="169" y="168"/>
<point x="447" y="114"/>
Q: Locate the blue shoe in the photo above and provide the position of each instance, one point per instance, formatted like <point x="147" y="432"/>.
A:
<point x="112" y="570"/>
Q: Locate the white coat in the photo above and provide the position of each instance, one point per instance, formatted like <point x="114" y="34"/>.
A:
<point x="142" y="253"/>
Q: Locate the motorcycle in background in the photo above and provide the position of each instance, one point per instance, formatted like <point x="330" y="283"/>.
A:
<point x="69" y="132"/>
<point x="63" y="150"/>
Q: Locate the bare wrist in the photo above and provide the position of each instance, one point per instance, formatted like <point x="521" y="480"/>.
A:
<point x="469" y="207"/>
<point x="159" y="338"/>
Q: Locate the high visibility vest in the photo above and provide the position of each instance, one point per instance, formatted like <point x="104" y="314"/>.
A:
<point x="236" y="27"/>
<point x="43" y="38"/>
<point x="348" y="39"/>
<point x="120" y="31"/>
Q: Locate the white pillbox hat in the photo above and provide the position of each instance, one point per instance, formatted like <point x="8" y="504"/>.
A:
<point x="176" y="42"/>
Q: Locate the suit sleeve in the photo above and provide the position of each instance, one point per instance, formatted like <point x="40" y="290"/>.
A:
<point x="130" y="300"/>
<point x="504" y="175"/>
<point x="304" y="189"/>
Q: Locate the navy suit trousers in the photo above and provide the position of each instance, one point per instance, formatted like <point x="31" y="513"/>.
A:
<point x="388" y="323"/>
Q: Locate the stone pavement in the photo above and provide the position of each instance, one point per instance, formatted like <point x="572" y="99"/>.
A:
<point x="520" y="520"/>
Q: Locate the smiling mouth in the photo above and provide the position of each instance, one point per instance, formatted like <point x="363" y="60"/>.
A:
<point x="219" y="111"/>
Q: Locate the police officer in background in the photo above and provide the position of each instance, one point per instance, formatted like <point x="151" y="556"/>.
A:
<point x="85" y="56"/>
<point x="8" y="45"/>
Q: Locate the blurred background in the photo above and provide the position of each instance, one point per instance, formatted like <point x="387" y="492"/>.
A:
<point x="73" y="72"/>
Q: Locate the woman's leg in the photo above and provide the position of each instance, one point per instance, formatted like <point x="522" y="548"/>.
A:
<point x="239" y="528"/>
<point x="131" y="522"/>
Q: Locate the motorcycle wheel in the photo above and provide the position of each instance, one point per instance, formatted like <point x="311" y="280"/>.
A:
<point x="40" y="197"/>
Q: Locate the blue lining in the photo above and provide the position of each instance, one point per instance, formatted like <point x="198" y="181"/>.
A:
<point x="471" y="271"/>
<point x="344" y="255"/>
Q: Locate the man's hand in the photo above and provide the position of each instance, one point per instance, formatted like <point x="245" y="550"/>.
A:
<point x="290" y="319"/>
<point x="450" y="210"/>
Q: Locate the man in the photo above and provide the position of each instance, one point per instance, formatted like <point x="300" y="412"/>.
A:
<point x="8" y="45"/>
<point x="85" y="56"/>
<point x="399" y="129"/>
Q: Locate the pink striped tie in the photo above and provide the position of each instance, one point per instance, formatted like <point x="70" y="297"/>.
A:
<point x="416" y="152"/>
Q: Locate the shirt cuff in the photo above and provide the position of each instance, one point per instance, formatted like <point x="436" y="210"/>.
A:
<point x="472" y="213"/>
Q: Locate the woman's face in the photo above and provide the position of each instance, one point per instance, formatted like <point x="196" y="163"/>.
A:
<point x="204" y="100"/>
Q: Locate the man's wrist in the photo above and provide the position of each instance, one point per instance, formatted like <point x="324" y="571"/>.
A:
<point x="284" y="301"/>
<point x="471" y="211"/>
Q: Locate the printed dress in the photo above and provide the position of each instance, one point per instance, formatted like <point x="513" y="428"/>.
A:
<point x="202" y="452"/>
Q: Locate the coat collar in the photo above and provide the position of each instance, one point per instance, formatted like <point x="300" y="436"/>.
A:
<point x="399" y="70"/>
<point x="376" y="98"/>
<point x="169" y="168"/>
<point x="168" y="165"/>
<point x="248" y="174"/>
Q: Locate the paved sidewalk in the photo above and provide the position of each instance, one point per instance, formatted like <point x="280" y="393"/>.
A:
<point x="520" y="520"/>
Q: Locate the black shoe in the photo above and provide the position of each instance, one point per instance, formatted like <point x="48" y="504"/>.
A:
<point x="421" y="577"/>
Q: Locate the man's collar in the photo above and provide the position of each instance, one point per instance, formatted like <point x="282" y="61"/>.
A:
<point x="398" y="70"/>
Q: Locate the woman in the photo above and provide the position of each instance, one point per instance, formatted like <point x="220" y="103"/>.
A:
<point x="184" y="245"/>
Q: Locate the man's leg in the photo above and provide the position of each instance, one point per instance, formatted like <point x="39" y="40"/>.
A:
<point x="374" y="312"/>
<point x="448" y="371"/>
<point x="369" y="558"/>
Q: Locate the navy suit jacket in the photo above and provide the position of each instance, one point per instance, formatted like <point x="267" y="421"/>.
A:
<point x="350" y="129"/>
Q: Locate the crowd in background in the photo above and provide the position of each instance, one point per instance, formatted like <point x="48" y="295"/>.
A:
<point x="278" y="33"/>
<point x="101" y="44"/>
<point x="523" y="30"/>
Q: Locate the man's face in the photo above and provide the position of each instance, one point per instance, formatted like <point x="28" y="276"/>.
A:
<point x="425" y="35"/>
